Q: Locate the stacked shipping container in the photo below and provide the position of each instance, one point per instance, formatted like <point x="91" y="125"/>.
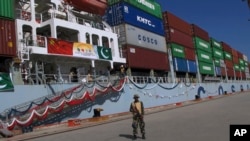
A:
<point x="236" y="62"/>
<point x="150" y="7"/>
<point x="178" y="36"/>
<point x="247" y="70"/>
<point x="227" y="60"/>
<point x="122" y="12"/>
<point x="203" y="50"/>
<point x="242" y="73"/>
<point x="7" y="9"/>
<point x="7" y="29"/>
<point x="246" y="66"/>
<point x="218" y="55"/>
<point x="141" y="32"/>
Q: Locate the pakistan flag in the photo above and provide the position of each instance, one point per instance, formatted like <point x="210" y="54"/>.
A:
<point x="5" y="82"/>
<point x="104" y="53"/>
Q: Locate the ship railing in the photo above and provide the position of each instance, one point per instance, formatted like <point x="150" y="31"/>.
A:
<point x="103" y="79"/>
<point x="35" y="40"/>
<point x="49" y="14"/>
<point x="38" y="79"/>
<point x="161" y="79"/>
<point x="23" y="14"/>
<point x="90" y="23"/>
<point x="147" y="79"/>
<point x="212" y="79"/>
<point x="33" y="79"/>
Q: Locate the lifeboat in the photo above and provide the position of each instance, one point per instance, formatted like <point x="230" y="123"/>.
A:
<point x="92" y="6"/>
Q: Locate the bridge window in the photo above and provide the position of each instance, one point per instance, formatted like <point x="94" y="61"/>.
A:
<point x="95" y="39"/>
<point x="105" y="42"/>
<point x="87" y="38"/>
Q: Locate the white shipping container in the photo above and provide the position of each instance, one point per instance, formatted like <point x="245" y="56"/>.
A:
<point x="132" y="35"/>
<point x="247" y="75"/>
<point x="246" y="69"/>
<point x="245" y="57"/>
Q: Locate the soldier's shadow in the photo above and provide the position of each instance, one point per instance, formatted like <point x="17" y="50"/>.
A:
<point x="126" y="136"/>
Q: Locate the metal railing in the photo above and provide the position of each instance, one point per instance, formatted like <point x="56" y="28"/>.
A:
<point x="50" y="13"/>
<point x="34" y="79"/>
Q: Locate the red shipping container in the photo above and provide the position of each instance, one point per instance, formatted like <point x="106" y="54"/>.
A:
<point x="240" y="55"/>
<point x="229" y="64"/>
<point x="234" y="53"/>
<point x="243" y="74"/>
<point x="7" y="38"/>
<point x="170" y="20"/>
<point x="230" y="72"/>
<point x="175" y="36"/>
<point x="199" y="32"/>
<point x="238" y="74"/>
<point x="223" y="72"/>
<point x="235" y="60"/>
<point x="142" y="58"/>
<point x="226" y="47"/>
<point x="190" y="53"/>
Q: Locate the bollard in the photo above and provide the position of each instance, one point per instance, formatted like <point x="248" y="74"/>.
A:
<point x="97" y="112"/>
<point x="197" y="97"/>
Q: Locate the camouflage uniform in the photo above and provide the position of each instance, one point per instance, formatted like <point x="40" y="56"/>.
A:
<point x="137" y="110"/>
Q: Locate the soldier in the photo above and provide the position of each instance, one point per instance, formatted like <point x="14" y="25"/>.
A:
<point x="122" y="71"/>
<point x="137" y="110"/>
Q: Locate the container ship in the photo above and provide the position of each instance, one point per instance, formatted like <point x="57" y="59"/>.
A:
<point x="63" y="59"/>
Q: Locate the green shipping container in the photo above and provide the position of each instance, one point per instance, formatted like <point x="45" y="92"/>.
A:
<point x="241" y="62"/>
<point x="236" y="67"/>
<point x="204" y="56"/>
<point x="242" y="68"/>
<point x="206" y="68"/>
<point x="228" y="56"/>
<point x="177" y="50"/>
<point x="148" y="6"/>
<point x="202" y="45"/>
<point x="246" y="63"/>
<point x="215" y="44"/>
<point x="217" y="53"/>
<point x="217" y="62"/>
<point x="7" y="9"/>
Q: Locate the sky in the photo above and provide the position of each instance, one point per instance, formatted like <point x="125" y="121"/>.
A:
<point x="224" y="20"/>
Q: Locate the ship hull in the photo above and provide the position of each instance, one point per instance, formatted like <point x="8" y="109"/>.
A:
<point x="111" y="101"/>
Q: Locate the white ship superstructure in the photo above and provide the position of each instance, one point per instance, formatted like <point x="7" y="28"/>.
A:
<point x="37" y="21"/>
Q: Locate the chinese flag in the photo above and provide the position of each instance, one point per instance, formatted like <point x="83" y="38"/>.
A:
<point x="56" y="46"/>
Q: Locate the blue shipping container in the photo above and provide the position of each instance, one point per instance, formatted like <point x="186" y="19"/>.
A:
<point x="218" y="71"/>
<point x="125" y="13"/>
<point x="180" y="64"/>
<point x="192" y="67"/>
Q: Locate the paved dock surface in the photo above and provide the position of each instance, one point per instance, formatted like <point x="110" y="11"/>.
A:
<point x="200" y="120"/>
